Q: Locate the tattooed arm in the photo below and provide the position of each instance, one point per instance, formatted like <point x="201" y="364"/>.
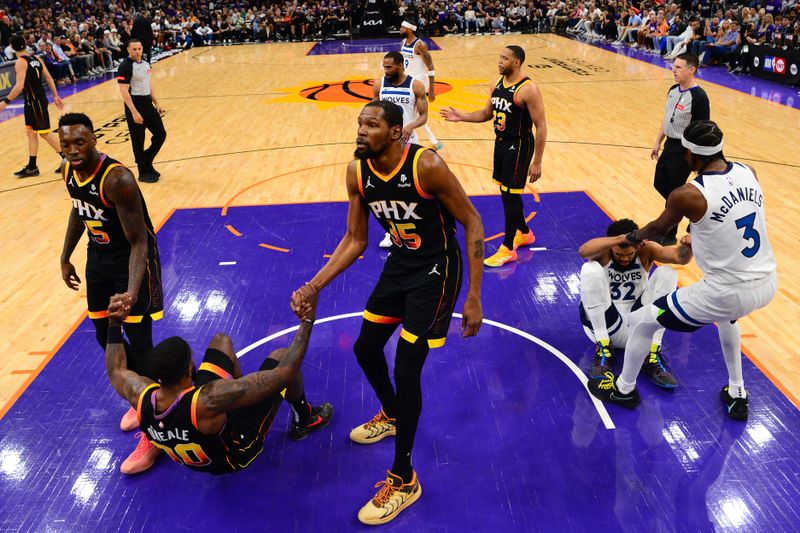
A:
<point x="123" y="192"/>
<point x="126" y="383"/>
<point x="223" y="395"/>
<point x="437" y="179"/>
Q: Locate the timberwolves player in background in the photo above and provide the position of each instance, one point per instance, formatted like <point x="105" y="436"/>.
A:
<point x="30" y="72"/>
<point x="419" y="64"/>
<point x="614" y="282"/>
<point x="409" y="93"/>
<point x="213" y="419"/>
<point x="122" y="256"/>
<point x="515" y="106"/>
<point x="725" y="205"/>
<point x="413" y="195"/>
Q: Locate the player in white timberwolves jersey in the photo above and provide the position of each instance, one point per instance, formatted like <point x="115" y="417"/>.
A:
<point x="418" y="63"/>
<point x="725" y="205"/>
<point x="616" y="281"/>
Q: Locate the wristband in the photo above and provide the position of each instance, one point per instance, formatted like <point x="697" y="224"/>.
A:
<point x="431" y="73"/>
<point x="114" y="334"/>
<point x="308" y="320"/>
<point x="6" y="100"/>
<point x="631" y="238"/>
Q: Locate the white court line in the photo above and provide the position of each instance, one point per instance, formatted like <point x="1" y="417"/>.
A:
<point x="598" y="405"/>
<point x="227" y="263"/>
<point x="542" y="249"/>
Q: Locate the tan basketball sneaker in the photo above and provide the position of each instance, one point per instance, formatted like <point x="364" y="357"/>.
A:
<point x="380" y="427"/>
<point x="129" y="421"/>
<point x="141" y="458"/>
<point x="393" y="497"/>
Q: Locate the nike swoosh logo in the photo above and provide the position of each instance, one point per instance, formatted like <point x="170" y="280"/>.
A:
<point x="622" y="398"/>
<point x="316" y="422"/>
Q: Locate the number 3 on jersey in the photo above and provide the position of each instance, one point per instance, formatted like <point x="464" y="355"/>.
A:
<point x="750" y="234"/>
<point x="402" y="236"/>
<point x="499" y="120"/>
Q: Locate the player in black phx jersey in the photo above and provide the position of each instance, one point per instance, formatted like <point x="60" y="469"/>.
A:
<point x="31" y="71"/>
<point x="122" y="255"/>
<point x="515" y="105"/>
<point x="413" y="195"/>
<point x="213" y="419"/>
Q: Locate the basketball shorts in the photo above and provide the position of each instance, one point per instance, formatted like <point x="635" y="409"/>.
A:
<point x="36" y="116"/>
<point x="512" y="159"/>
<point x="107" y="274"/>
<point x="246" y="427"/>
<point x="421" y="298"/>
<point x="708" y="301"/>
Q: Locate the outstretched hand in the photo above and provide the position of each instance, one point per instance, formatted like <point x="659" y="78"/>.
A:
<point x="304" y="302"/>
<point x="450" y="114"/>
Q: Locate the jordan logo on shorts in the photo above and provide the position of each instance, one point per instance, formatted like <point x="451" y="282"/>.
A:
<point x="512" y="147"/>
<point x="434" y="271"/>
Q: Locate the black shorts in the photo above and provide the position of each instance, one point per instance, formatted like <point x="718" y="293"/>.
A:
<point x="248" y="425"/>
<point x="36" y="116"/>
<point x="421" y="298"/>
<point x="512" y="159"/>
<point x="107" y="274"/>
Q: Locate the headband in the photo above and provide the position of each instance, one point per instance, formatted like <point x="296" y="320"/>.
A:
<point x="406" y="24"/>
<point x="701" y="150"/>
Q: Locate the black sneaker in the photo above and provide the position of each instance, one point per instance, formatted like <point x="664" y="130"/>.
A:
<point x="603" y="361"/>
<point x="320" y="416"/>
<point x="148" y="178"/>
<point x="27" y="172"/>
<point x="656" y="368"/>
<point x="737" y="407"/>
<point x="606" y="390"/>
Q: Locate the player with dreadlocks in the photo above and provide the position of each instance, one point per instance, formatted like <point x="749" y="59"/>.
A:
<point x="725" y="205"/>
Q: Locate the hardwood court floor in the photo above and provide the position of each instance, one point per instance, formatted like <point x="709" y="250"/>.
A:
<point x="240" y="134"/>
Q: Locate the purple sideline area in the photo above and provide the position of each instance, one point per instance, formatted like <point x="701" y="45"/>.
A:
<point x="509" y="439"/>
<point x="775" y="92"/>
<point x="363" y="46"/>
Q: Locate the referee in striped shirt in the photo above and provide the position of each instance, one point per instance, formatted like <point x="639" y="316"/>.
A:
<point x="686" y="102"/>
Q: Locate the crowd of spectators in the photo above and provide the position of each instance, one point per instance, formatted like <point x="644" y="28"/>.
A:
<point x="717" y="32"/>
<point x="80" y="38"/>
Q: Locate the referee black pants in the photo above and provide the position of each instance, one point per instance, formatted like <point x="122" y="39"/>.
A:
<point x="152" y="122"/>
<point x="672" y="171"/>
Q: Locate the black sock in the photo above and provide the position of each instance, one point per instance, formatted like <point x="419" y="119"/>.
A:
<point x="301" y="410"/>
<point x="407" y="373"/>
<point x="32" y="162"/>
<point x="512" y="211"/>
<point x="369" y="353"/>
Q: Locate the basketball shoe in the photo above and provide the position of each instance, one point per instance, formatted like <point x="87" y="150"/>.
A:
<point x="603" y="360"/>
<point x="501" y="257"/>
<point x="129" y="420"/>
<point x="524" y="239"/>
<point x="141" y="458"/>
<point x="380" y="427"/>
<point x="606" y="390"/>
<point x="657" y="369"/>
<point x="320" y="416"/>
<point x="392" y="497"/>
<point x="737" y="407"/>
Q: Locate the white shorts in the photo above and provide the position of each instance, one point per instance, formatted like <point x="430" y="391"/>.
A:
<point x="708" y="301"/>
<point x="414" y="139"/>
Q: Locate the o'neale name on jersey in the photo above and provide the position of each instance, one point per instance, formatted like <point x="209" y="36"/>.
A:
<point x="391" y="210"/>
<point x="88" y="210"/>
<point x="741" y="194"/>
<point x="163" y="436"/>
<point x="624" y="276"/>
<point x="501" y="104"/>
<point x="399" y="100"/>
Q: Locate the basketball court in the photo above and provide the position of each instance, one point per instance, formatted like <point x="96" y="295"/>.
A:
<point x="251" y="201"/>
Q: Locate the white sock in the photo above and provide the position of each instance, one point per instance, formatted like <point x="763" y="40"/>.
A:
<point x="731" y="339"/>
<point x="595" y="297"/>
<point x="642" y="326"/>
<point x="431" y="136"/>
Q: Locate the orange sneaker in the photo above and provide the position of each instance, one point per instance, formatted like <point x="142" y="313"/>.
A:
<point x="393" y="497"/>
<point x="501" y="257"/>
<point x="524" y="239"/>
<point x="129" y="420"/>
<point x="142" y="457"/>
